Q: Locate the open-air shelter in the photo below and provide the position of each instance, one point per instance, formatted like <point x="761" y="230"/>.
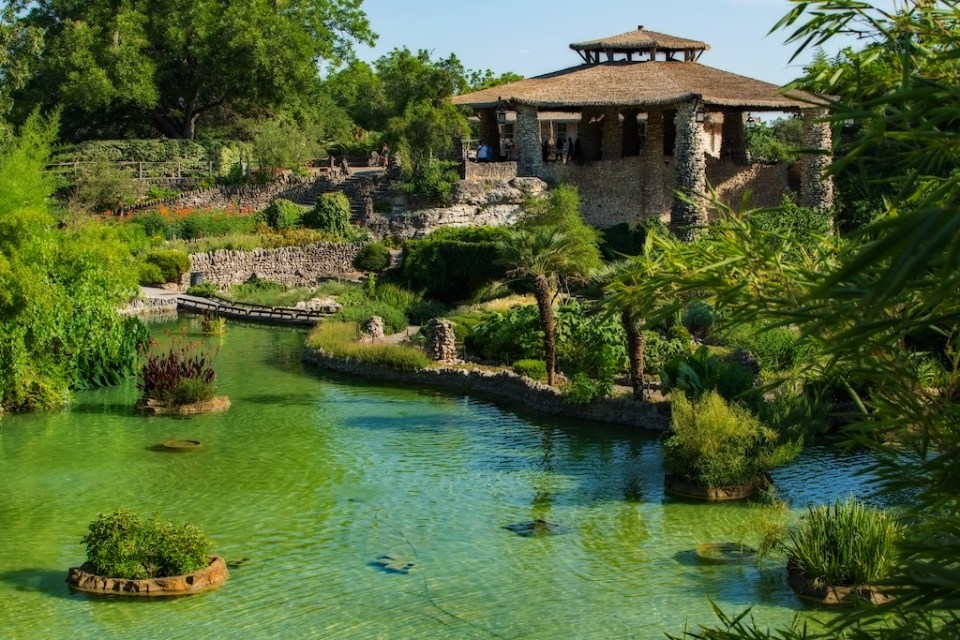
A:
<point x="652" y="121"/>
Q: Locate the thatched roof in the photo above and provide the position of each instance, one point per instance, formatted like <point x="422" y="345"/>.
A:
<point x="637" y="84"/>
<point x="640" y="40"/>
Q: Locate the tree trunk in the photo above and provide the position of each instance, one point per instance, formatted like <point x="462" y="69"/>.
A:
<point x="541" y="290"/>
<point x="635" y="346"/>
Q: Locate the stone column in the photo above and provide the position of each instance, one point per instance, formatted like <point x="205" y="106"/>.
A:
<point x="441" y="341"/>
<point x="733" y="141"/>
<point x="527" y="138"/>
<point x="653" y="165"/>
<point x="590" y="135"/>
<point x="612" y="144"/>
<point x="690" y="175"/>
<point x="816" y="187"/>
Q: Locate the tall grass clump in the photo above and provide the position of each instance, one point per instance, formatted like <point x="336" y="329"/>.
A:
<point x="716" y="444"/>
<point x="848" y="543"/>
<point x="339" y="339"/>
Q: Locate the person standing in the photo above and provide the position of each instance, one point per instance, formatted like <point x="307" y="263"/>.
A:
<point x="483" y="153"/>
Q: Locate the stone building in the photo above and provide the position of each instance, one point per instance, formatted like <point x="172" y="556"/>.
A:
<point x="648" y="121"/>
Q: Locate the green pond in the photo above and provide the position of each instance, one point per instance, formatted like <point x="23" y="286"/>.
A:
<point x="311" y="478"/>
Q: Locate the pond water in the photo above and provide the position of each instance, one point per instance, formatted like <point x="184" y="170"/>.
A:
<point x="311" y="478"/>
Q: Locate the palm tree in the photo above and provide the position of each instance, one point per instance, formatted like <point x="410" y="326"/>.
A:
<point x="541" y="254"/>
<point x="614" y="278"/>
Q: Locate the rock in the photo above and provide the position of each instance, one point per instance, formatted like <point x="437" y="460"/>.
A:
<point x="325" y="305"/>
<point x="536" y="528"/>
<point x="394" y="564"/>
<point x="372" y="329"/>
<point x="83" y="579"/>
<point x="529" y="186"/>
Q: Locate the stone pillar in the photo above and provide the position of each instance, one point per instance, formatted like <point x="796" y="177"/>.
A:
<point x="690" y="175"/>
<point x="489" y="130"/>
<point x="631" y="133"/>
<point x="612" y="145"/>
<point x="527" y="138"/>
<point x="733" y="141"/>
<point x="816" y="187"/>
<point x="372" y="330"/>
<point x="653" y="166"/>
<point x="441" y="341"/>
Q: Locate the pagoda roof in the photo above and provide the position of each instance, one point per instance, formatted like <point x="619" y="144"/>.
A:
<point x="640" y="40"/>
<point x="638" y="84"/>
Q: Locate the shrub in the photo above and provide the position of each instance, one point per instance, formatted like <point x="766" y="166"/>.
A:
<point x="394" y="320"/>
<point x="282" y="214"/>
<point x="453" y="264"/>
<point x="154" y="224"/>
<point x="774" y="348"/>
<point x="124" y="545"/>
<point x="374" y="256"/>
<point x="700" y="371"/>
<point x="156" y="192"/>
<point x="716" y="444"/>
<point x="432" y="181"/>
<point x="658" y="350"/>
<point x="150" y="274"/>
<point x="698" y="318"/>
<point x="203" y="290"/>
<point x="508" y="336"/>
<point x="844" y="545"/>
<point x="172" y="263"/>
<point x="178" y="372"/>
<point x="535" y="369"/>
<point x="330" y="214"/>
<point x="583" y="389"/>
<point x="257" y="291"/>
<point x="593" y="344"/>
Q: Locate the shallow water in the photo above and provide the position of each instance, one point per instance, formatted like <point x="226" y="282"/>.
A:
<point x="312" y="478"/>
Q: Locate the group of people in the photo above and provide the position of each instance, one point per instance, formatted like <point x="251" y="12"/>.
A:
<point x="560" y="151"/>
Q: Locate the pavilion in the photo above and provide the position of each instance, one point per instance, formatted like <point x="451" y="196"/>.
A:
<point x="648" y="121"/>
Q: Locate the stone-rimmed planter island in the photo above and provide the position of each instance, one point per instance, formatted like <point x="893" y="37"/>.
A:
<point x="152" y="407"/>
<point x="677" y="486"/>
<point x="212" y="576"/>
<point x="833" y="595"/>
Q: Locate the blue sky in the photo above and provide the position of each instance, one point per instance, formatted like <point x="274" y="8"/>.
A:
<point x="531" y="37"/>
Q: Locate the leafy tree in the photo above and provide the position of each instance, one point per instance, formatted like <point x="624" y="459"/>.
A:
<point x="485" y="79"/>
<point x="59" y="288"/>
<point x="19" y="44"/>
<point x="171" y="63"/>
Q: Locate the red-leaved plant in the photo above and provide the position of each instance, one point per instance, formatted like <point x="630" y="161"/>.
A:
<point x="181" y="374"/>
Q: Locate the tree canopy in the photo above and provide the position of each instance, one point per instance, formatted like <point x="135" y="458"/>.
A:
<point x="169" y="63"/>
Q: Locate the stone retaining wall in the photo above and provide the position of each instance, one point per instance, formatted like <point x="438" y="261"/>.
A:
<point x="255" y="197"/>
<point x="616" y="191"/>
<point x="300" y="266"/>
<point x="490" y="170"/>
<point x="504" y="385"/>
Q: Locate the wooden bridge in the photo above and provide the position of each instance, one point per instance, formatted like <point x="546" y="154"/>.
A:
<point x="251" y="312"/>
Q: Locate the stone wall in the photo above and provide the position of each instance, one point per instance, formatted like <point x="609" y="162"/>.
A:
<point x="767" y="183"/>
<point x="255" y="197"/>
<point x="293" y="266"/>
<point x="611" y="191"/>
<point x="490" y="170"/>
<point x="617" y="191"/>
<point x="508" y="386"/>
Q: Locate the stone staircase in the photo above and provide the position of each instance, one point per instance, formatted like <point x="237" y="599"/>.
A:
<point x="364" y="185"/>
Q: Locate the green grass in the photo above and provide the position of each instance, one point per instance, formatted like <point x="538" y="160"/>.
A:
<point x="848" y="543"/>
<point x="340" y="339"/>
